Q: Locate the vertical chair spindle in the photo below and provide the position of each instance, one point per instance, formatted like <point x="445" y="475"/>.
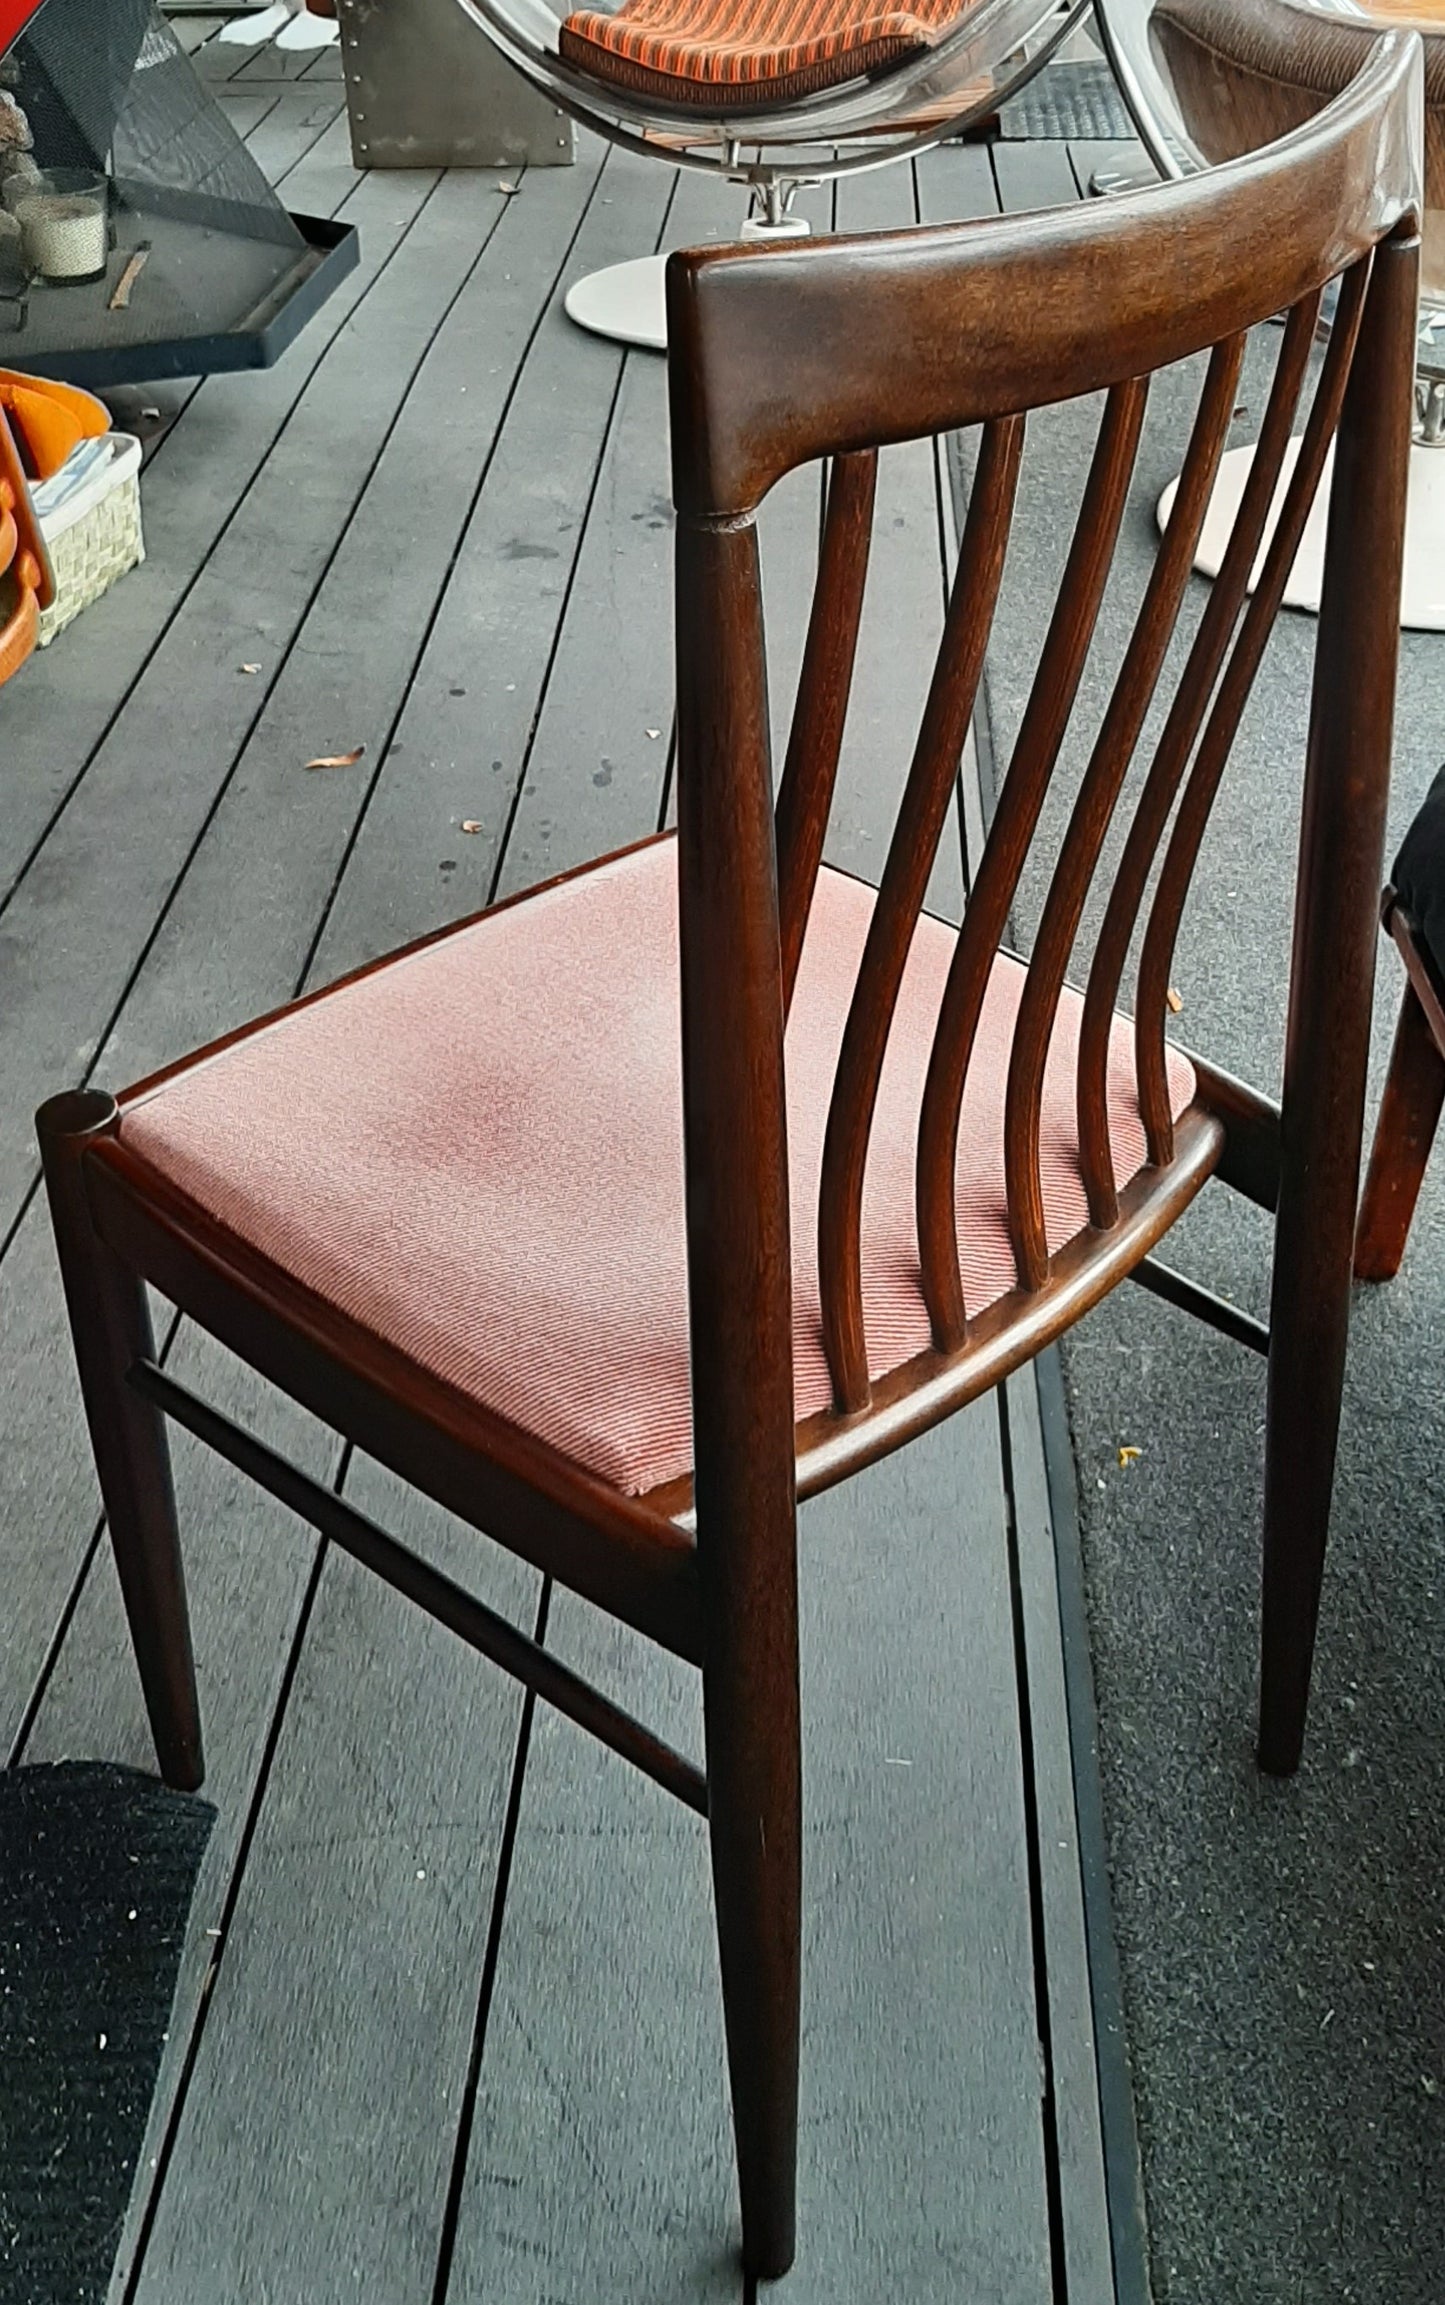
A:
<point x="932" y="780"/>
<point x="1093" y="810"/>
<point x="1156" y="959"/>
<point x="815" y="740"/>
<point x="1171" y="758"/>
<point x="1036" y="749"/>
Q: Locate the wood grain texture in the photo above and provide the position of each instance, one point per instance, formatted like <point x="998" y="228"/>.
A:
<point x="902" y="617"/>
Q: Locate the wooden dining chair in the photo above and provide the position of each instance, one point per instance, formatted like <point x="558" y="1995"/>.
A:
<point x="1412" y="911"/>
<point x="624" y="1214"/>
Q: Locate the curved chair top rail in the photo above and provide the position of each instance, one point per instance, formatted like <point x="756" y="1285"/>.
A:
<point x="993" y="47"/>
<point x="783" y="355"/>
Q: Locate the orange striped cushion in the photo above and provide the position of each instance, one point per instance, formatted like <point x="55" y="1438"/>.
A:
<point x="717" y="53"/>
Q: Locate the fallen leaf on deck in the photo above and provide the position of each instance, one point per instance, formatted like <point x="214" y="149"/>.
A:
<point x="1175" y="1000"/>
<point x="337" y="759"/>
<point x="1127" y="1455"/>
<point x="129" y="277"/>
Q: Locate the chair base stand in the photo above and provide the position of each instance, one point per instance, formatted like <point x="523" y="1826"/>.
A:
<point x="628" y="302"/>
<point x="1422" y="599"/>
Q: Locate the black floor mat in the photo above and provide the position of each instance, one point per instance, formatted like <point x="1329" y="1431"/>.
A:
<point x="1067" y="100"/>
<point x="97" y="1870"/>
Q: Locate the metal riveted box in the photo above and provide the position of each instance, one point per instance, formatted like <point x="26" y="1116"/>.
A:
<point x="425" y="88"/>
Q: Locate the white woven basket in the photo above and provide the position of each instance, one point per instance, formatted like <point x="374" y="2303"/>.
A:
<point x="95" y="536"/>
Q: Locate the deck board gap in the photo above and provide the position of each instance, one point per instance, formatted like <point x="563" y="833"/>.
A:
<point x="1043" y="2014"/>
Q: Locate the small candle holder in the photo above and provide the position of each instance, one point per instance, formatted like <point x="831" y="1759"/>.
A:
<point x="64" y="220"/>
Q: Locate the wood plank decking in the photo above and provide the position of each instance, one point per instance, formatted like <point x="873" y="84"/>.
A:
<point x="448" y="2023"/>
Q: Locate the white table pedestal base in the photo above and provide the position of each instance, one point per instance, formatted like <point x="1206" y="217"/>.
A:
<point x="627" y="302"/>
<point x="1422" y="604"/>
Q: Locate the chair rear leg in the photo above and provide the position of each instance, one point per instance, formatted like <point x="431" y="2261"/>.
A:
<point x="1332" y="968"/>
<point x="111" y="1327"/>
<point x="1409" y="1115"/>
<point x="755" y="1826"/>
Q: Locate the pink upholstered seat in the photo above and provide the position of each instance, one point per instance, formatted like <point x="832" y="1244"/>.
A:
<point x="477" y="1153"/>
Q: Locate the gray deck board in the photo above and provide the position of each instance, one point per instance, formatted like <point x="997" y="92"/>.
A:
<point x="201" y="472"/>
<point x="441" y="528"/>
<point x="494" y="633"/>
<point x="337" y="2039"/>
<point x="218" y="61"/>
<point x="46" y="1488"/>
<point x="294" y="120"/>
<point x="249" y="1569"/>
<point x="194" y="29"/>
<point x="247" y="108"/>
<point x="147" y="796"/>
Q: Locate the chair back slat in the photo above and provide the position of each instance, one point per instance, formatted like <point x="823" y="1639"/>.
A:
<point x="1171" y="758"/>
<point x="1041" y="732"/>
<point x="1094" y="808"/>
<point x="932" y="782"/>
<point x="1156" y="960"/>
<point x="815" y="739"/>
<point x="836" y="352"/>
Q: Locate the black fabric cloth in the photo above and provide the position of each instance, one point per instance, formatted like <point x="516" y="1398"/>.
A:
<point x="97" y="1870"/>
<point x="1419" y="875"/>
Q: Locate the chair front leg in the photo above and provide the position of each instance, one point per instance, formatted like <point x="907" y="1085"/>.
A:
<point x="754" y="1771"/>
<point x="111" y="1327"/>
<point x="1309" y="1328"/>
<point x="1409" y="1116"/>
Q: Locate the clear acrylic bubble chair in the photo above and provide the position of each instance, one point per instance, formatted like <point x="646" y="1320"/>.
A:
<point x="1211" y="80"/>
<point x="765" y="97"/>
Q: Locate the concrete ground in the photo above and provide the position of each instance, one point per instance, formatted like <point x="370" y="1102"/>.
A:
<point x="1283" y="1945"/>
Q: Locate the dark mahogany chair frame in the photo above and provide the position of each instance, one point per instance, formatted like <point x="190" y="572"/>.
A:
<point x="780" y="357"/>
<point x="1410" y="1108"/>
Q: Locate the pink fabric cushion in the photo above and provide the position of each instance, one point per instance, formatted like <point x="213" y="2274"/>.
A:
<point x="477" y="1153"/>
